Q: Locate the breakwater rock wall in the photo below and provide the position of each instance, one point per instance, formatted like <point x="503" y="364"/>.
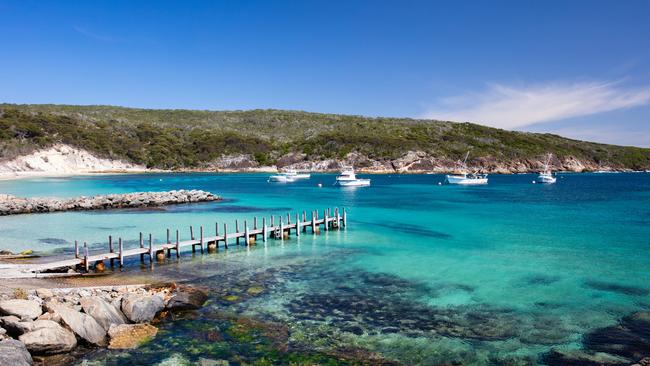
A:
<point x="11" y="205"/>
<point x="37" y="324"/>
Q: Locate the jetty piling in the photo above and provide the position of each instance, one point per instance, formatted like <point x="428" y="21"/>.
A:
<point x="278" y="229"/>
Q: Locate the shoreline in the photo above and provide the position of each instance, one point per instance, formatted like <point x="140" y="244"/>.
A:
<point x="14" y="176"/>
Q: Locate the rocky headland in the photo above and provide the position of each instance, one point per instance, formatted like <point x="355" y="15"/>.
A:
<point x="11" y="205"/>
<point x="48" y="324"/>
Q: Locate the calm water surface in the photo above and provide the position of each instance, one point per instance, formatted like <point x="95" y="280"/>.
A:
<point x="424" y="274"/>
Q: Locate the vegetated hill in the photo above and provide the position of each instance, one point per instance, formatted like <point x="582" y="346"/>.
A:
<point x="192" y="138"/>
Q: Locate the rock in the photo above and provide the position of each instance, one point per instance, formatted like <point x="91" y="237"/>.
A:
<point x="127" y="336"/>
<point x="141" y="308"/>
<point x="83" y="325"/>
<point x="27" y="252"/>
<point x="617" y="340"/>
<point x="104" y="313"/>
<point x="639" y="323"/>
<point x="44" y="293"/>
<point x="14" y="353"/>
<point x="211" y="362"/>
<point x="21" y="308"/>
<point x="48" y="337"/>
<point x="5" y="252"/>
<point x="187" y="298"/>
<point x="581" y="358"/>
<point x="15" y="326"/>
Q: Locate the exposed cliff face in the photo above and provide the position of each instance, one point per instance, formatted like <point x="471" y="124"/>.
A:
<point x="63" y="159"/>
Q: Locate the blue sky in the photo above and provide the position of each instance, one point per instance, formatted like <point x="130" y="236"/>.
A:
<point x="578" y="68"/>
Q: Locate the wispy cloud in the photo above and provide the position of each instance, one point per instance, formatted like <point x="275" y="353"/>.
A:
<point x="513" y="107"/>
<point x="93" y="35"/>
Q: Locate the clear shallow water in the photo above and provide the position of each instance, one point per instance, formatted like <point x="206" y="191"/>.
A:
<point x="424" y="274"/>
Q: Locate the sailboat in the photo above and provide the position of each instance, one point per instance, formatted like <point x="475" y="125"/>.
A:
<point x="546" y="176"/>
<point x="465" y="178"/>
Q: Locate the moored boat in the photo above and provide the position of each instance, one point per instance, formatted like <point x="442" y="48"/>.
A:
<point x="465" y="178"/>
<point x="348" y="178"/>
<point x="546" y="176"/>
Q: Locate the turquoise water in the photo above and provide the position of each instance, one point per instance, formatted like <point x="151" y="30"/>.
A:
<point x="424" y="274"/>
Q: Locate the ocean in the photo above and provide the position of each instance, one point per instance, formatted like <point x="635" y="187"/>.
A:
<point x="424" y="274"/>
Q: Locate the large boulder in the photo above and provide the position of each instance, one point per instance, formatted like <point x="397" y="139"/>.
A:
<point x="15" y="326"/>
<point x="48" y="337"/>
<point x="128" y="336"/>
<point x="187" y="298"/>
<point x="83" y="325"/>
<point x="104" y="313"/>
<point x="21" y="308"/>
<point x="14" y="353"/>
<point x="141" y="308"/>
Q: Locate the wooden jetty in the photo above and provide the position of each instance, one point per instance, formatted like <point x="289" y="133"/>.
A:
<point x="278" y="227"/>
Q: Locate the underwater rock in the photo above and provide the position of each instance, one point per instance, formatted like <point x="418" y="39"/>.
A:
<point x="128" y="336"/>
<point x="558" y="357"/>
<point x="638" y="323"/>
<point x="616" y="288"/>
<point x="617" y="340"/>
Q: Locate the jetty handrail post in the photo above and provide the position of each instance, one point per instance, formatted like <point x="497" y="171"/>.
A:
<point x="338" y="218"/>
<point x="255" y="223"/>
<point x="141" y="246"/>
<point x="150" y="249"/>
<point x="345" y="218"/>
<point x="313" y="222"/>
<point x="281" y="228"/>
<point x="201" y="236"/>
<point x="325" y="220"/>
<point x="237" y="231"/>
<point x="225" y="235"/>
<point x="288" y="218"/>
<point x="297" y="224"/>
<point x="169" y="240"/>
<point x="178" y="244"/>
<point x="264" y="229"/>
<point x="110" y="247"/>
<point x="86" y="264"/>
<point x="216" y="235"/>
<point x="272" y="220"/>
<point x="304" y="218"/>
<point x="246" y="235"/>
<point x="191" y="232"/>
<point x="121" y="254"/>
<point x="76" y="249"/>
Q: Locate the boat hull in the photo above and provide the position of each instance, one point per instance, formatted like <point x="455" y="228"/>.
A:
<point x="453" y="179"/>
<point x="354" y="183"/>
<point x="546" y="179"/>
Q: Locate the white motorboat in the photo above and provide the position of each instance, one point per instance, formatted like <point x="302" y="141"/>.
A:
<point x="465" y="178"/>
<point x="546" y="176"/>
<point x="347" y="178"/>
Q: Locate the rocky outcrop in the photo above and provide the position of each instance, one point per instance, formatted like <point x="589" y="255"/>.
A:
<point x="187" y="298"/>
<point x="101" y="316"/>
<point x="48" y="337"/>
<point x="83" y="325"/>
<point x="14" y="353"/>
<point x="104" y="313"/>
<point x="423" y="162"/>
<point x="141" y="308"/>
<point x="11" y="205"/>
<point x="29" y="309"/>
<point x="128" y="336"/>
